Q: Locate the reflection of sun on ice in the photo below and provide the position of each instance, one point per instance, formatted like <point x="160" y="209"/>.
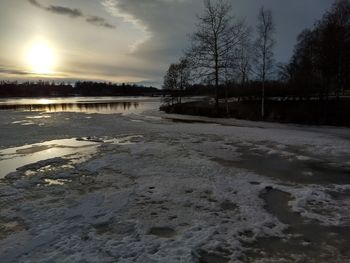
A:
<point x="41" y="59"/>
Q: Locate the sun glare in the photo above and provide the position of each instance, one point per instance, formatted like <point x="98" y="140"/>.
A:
<point x="44" y="101"/>
<point x="41" y="59"/>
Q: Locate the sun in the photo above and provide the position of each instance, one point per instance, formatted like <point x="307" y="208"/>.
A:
<point x="41" y="59"/>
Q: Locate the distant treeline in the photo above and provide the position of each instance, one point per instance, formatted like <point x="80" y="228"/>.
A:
<point x="52" y="89"/>
<point x="251" y="90"/>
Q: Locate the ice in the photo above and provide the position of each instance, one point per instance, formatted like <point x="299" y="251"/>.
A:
<point x="13" y="158"/>
<point x="56" y="182"/>
<point x="142" y="188"/>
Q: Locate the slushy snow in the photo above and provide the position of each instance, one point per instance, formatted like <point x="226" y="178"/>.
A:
<point x="153" y="190"/>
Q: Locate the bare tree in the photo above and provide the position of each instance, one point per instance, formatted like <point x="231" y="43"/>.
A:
<point x="184" y="75"/>
<point x="213" y="43"/>
<point x="244" y="60"/>
<point x="177" y="78"/>
<point x="264" y="45"/>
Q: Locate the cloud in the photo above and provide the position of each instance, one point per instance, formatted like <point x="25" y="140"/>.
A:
<point x="161" y="27"/>
<point x="99" y="21"/>
<point x="9" y="71"/>
<point x="166" y="24"/>
<point x="34" y="2"/>
<point x="74" y="13"/>
<point x="164" y="27"/>
<point x="61" y="10"/>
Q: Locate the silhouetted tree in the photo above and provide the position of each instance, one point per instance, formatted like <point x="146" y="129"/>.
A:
<point x="334" y="45"/>
<point x="213" y="43"/>
<point x="243" y="62"/>
<point x="264" y="45"/>
<point x="304" y="64"/>
<point x="321" y="60"/>
<point x="177" y="78"/>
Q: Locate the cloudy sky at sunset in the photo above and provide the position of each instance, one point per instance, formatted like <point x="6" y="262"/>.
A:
<point x="121" y="40"/>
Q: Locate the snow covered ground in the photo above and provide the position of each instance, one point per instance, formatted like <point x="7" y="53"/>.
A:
<point x="145" y="188"/>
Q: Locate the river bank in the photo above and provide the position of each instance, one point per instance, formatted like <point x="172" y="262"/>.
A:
<point x="305" y="112"/>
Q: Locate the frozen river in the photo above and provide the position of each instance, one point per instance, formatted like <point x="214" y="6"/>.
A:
<point x="88" y="182"/>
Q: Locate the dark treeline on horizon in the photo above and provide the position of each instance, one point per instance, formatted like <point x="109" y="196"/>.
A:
<point x="251" y="90"/>
<point x="84" y="88"/>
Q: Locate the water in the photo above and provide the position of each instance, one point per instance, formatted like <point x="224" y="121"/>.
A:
<point x="291" y="170"/>
<point x="13" y="158"/>
<point x="105" y="105"/>
<point x="315" y="242"/>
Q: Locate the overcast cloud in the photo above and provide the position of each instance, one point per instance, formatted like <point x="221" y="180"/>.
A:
<point x="147" y="35"/>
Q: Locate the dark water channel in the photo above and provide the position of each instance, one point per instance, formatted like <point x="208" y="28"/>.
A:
<point x="308" y="239"/>
<point x="290" y="170"/>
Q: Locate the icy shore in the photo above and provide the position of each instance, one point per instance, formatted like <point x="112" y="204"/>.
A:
<point x="148" y="189"/>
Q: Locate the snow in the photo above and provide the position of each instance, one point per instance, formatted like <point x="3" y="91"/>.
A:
<point x="153" y="190"/>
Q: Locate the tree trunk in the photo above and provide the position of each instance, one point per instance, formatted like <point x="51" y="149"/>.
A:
<point x="216" y="76"/>
<point x="226" y="100"/>
<point x="217" y="89"/>
<point x="181" y="89"/>
<point x="263" y="101"/>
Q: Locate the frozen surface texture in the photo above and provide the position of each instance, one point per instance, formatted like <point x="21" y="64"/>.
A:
<point x="142" y="188"/>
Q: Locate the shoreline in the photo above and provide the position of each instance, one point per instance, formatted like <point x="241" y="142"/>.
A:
<point x="290" y="112"/>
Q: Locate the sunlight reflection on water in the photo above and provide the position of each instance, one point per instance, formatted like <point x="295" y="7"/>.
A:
<point x="81" y="104"/>
<point x="12" y="158"/>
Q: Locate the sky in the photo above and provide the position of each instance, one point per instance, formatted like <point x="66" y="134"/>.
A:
<point x="130" y="41"/>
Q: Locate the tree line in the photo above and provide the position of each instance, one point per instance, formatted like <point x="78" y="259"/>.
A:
<point x="228" y="57"/>
<point x="321" y="61"/>
<point x="52" y="89"/>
